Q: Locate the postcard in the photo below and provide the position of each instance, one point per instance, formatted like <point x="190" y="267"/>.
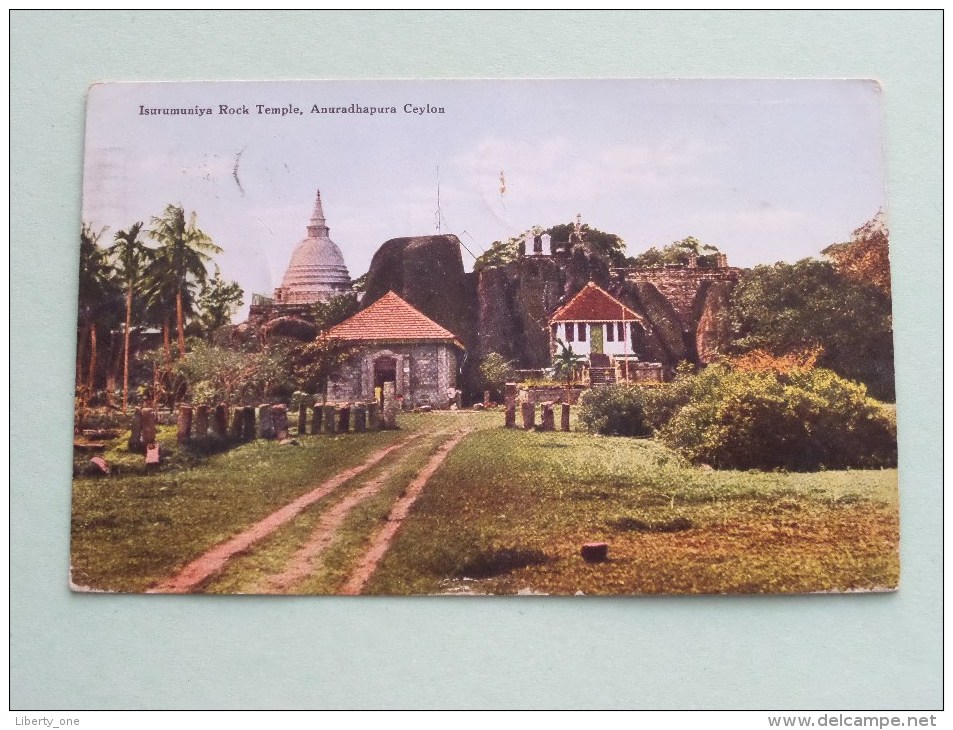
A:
<point x="561" y="337"/>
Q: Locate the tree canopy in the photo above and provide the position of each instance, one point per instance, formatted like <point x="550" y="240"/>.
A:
<point x="865" y="257"/>
<point x="608" y="245"/>
<point x="184" y="250"/>
<point x="335" y="310"/>
<point x="786" y="308"/>
<point x="217" y="303"/>
<point x="130" y="253"/>
<point x="677" y="252"/>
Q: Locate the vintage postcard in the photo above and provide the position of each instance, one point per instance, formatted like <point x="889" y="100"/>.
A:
<point x="589" y="337"/>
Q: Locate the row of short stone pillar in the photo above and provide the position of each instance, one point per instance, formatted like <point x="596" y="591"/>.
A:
<point x="528" y="413"/>
<point x="268" y="421"/>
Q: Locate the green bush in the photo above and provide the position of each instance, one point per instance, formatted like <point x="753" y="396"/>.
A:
<point x="615" y="410"/>
<point x="801" y="421"/>
<point x="664" y="400"/>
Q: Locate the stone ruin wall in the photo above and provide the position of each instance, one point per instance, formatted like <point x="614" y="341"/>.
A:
<point x="681" y="285"/>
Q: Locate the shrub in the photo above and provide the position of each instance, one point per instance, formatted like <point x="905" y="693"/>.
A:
<point x="800" y="420"/>
<point x="615" y="410"/>
<point x="495" y="370"/>
<point x="664" y="400"/>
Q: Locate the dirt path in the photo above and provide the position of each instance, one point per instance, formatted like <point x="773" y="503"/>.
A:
<point x="304" y="562"/>
<point x="211" y="562"/>
<point x="382" y="540"/>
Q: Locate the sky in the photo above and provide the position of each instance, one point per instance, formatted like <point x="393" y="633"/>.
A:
<point x="767" y="170"/>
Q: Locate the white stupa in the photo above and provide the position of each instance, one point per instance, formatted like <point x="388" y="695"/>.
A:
<point x="317" y="270"/>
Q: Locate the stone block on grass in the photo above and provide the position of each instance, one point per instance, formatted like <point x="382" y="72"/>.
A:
<point x="327" y="419"/>
<point x="184" y="429"/>
<point x="595" y="552"/>
<point x="266" y="422"/>
<point x="200" y="426"/>
<point x="529" y="414"/>
<point x="279" y="417"/>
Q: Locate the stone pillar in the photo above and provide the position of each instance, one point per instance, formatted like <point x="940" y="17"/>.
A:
<point x="529" y="414"/>
<point x="344" y="419"/>
<point x="316" y="412"/>
<point x="279" y="417"/>
<point x="266" y="423"/>
<point x="327" y="418"/>
<point x="391" y="406"/>
<point x="486" y="399"/>
<point x="510" y="395"/>
<point x="564" y="419"/>
<point x="220" y="422"/>
<point x="201" y="421"/>
<point x="148" y="426"/>
<point x="548" y="422"/>
<point x="360" y="418"/>
<point x="184" y="434"/>
<point x="238" y="416"/>
<point x="302" y="419"/>
<point x="374" y="416"/>
<point x="248" y="423"/>
<point x="135" y="433"/>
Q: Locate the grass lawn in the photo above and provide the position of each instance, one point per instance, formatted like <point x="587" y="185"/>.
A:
<point x="506" y="512"/>
<point x="246" y="573"/>
<point x="133" y="529"/>
<point x="509" y="511"/>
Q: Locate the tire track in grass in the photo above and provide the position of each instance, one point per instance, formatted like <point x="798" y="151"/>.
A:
<point x="382" y="540"/>
<point x="305" y="561"/>
<point x="211" y="562"/>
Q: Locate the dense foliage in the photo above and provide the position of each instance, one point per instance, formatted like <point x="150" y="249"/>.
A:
<point x="802" y="419"/>
<point x="495" y="370"/>
<point x="789" y="307"/>
<point x="212" y="375"/>
<point x="130" y="287"/>
<point x="615" y="410"/>
<point x="679" y="252"/>
<point x="609" y="245"/>
<point x="217" y="303"/>
<point x="499" y="253"/>
<point x="335" y="310"/>
<point x="865" y="257"/>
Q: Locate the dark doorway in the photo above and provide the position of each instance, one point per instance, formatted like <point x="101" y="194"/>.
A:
<point x="385" y="371"/>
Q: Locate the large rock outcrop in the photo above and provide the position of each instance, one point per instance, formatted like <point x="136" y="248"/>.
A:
<point x="427" y="272"/>
<point x="713" y="332"/>
<point x="517" y="299"/>
<point x="506" y="308"/>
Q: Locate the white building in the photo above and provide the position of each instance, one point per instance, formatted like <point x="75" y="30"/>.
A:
<point x="595" y="322"/>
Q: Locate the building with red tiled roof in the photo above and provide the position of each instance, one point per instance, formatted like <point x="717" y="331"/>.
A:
<point x="396" y="343"/>
<point x="391" y="319"/>
<point x="595" y="323"/>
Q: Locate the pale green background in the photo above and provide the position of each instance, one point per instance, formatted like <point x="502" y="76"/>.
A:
<point x="90" y="651"/>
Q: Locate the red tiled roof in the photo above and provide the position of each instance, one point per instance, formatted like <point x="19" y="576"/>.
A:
<point x="390" y="318"/>
<point x="593" y="304"/>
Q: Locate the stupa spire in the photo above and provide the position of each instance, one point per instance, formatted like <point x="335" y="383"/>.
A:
<point x="318" y="226"/>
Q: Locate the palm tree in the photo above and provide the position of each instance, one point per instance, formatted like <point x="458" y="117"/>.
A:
<point x="130" y="254"/>
<point x="159" y="300"/>
<point x="217" y="302"/>
<point x="94" y="292"/>
<point x="566" y="361"/>
<point x="183" y="252"/>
